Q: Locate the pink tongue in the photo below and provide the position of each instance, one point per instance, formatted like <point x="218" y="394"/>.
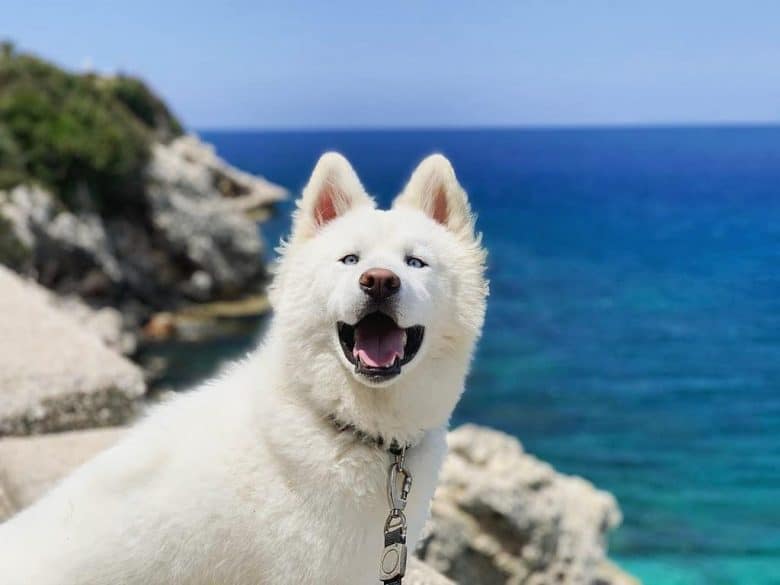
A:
<point x="378" y="347"/>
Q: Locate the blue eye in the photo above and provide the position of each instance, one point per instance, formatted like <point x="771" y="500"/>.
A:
<point x="415" y="262"/>
<point x="350" y="259"/>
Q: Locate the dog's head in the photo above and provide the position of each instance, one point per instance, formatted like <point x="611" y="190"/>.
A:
<point x="381" y="298"/>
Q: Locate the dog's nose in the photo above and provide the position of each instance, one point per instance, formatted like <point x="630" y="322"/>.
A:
<point x="380" y="283"/>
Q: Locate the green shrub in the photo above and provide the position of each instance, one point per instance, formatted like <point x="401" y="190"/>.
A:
<point x="11" y="161"/>
<point x="80" y="135"/>
<point x="146" y="106"/>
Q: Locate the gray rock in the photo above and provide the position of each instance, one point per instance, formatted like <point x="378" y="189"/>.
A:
<point x="106" y="323"/>
<point x="67" y="249"/>
<point x="226" y="247"/>
<point x="54" y="373"/>
<point x="501" y="516"/>
<point x="30" y="466"/>
<point x="190" y="237"/>
<point x="33" y="218"/>
<point x="198" y="205"/>
<point x="190" y="162"/>
<point x="418" y="573"/>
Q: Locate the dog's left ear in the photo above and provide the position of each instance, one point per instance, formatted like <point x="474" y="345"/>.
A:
<point x="332" y="190"/>
<point x="434" y="190"/>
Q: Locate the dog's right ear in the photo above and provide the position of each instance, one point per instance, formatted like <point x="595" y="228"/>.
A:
<point x="332" y="190"/>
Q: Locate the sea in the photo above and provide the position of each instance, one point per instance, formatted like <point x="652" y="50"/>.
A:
<point x="633" y="327"/>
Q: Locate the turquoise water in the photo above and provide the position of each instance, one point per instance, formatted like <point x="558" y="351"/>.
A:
<point x="633" y="332"/>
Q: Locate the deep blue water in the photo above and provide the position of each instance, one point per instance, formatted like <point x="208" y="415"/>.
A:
<point x="633" y="331"/>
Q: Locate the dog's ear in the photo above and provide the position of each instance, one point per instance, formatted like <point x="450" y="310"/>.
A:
<point x="435" y="191"/>
<point x="332" y="190"/>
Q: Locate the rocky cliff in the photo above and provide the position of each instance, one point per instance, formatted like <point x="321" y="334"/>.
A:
<point x="195" y="240"/>
<point x="104" y="197"/>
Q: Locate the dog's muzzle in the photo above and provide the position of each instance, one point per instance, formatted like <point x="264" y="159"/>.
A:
<point x="377" y="346"/>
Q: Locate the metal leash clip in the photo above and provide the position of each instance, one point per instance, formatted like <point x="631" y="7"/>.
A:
<point x="392" y="566"/>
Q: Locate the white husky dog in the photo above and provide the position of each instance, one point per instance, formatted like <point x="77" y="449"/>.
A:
<point x="276" y="473"/>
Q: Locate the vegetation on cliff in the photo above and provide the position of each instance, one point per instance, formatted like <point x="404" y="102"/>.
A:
<point x="85" y="137"/>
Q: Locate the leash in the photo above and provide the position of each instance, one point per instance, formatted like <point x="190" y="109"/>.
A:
<point x="392" y="566"/>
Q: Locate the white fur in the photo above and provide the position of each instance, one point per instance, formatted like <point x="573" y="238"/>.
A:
<point x="244" y="480"/>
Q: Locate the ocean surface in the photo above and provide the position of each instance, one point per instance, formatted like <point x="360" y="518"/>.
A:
<point x="633" y="330"/>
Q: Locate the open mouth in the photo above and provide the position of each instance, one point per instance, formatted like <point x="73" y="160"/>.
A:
<point x="377" y="346"/>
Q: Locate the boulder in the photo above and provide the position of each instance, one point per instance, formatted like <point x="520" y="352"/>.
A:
<point x="198" y="206"/>
<point x="30" y="466"/>
<point x="55" y="374"/>
<point x="501" y="516"/>
<point x="418" y="573"/>
<point x="192" y="163"/>
<point x="106" y="323"/>
<point x="68" y="251"/>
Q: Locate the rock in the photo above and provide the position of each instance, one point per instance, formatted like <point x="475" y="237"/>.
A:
<point x="501" y="516"/>
<point x="204" y="321"/>
<point x="418" y="573"/>
<point x="186" y="237"/>
<point x="68" y="250"/>
<point x="70" y="253"/>
<point x="160" y="326"/>
<point x="54" y="373"/>
<point x="30" y="466"/>
<point x="106" y="323"/>
<point x="204" y="171"/>
<point x="608" y="573"/>
<point x="200" y="285"/>
<point x="198" y="204"/>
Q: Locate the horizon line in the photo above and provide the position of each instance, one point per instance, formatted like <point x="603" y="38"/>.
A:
<point x="493" y="127"/>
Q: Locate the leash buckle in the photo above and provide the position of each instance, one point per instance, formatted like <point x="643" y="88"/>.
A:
<point x="393" y="564"/>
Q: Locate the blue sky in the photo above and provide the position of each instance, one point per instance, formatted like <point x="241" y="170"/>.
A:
<point x="346" y="63"/>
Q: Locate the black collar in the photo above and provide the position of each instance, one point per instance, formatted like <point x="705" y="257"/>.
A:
<point x="366" y="438"/>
